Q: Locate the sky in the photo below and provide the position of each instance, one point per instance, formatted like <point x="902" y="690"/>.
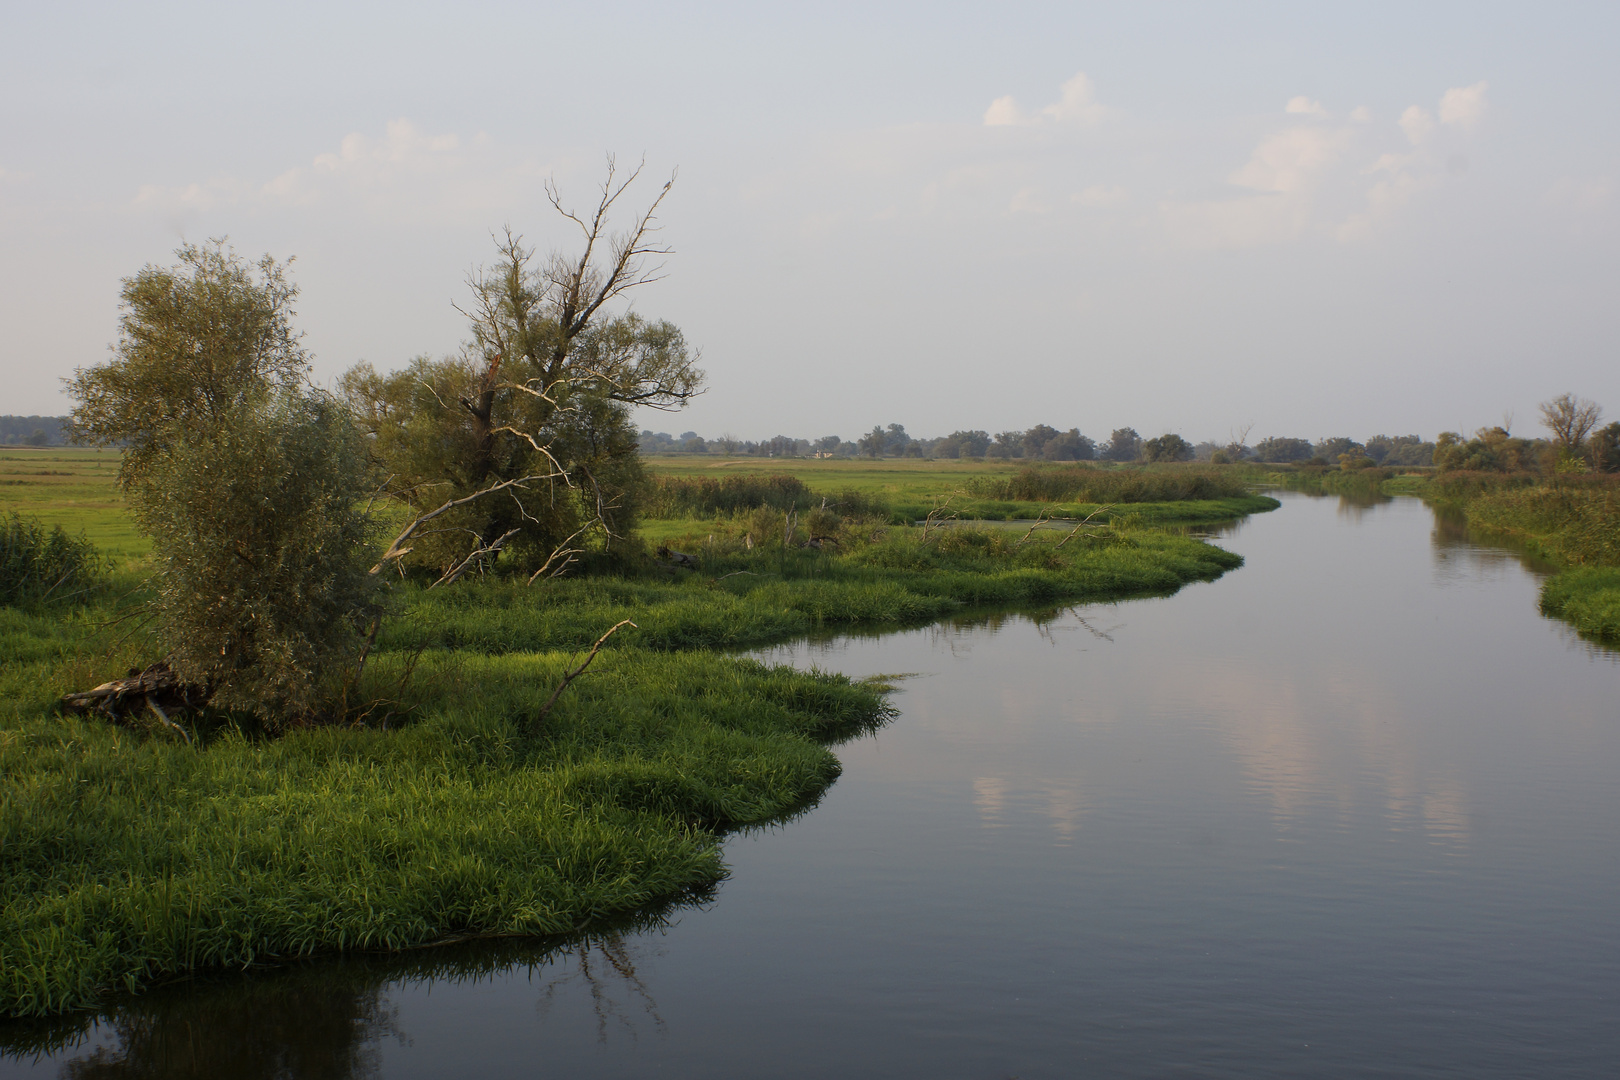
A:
<point x="1300" y="220"/>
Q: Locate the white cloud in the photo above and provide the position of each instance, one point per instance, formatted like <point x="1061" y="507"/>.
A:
<point x="1418" y="124"/>
<point x="1099" y="195"/>
<point x="404" y="174"/>
<point x="1290" y="161"/>
<point x="1076" y="103"/>
<point x="1304" y="106"/>
<point x="1284" y="171"/>
<point x="1004" y="112"/>
<point x="1027" y="201"/>
<point x="1361" y="115"/>
<point x="1463" y="106"/>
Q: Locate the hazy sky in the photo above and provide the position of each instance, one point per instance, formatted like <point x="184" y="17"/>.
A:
<point x="1324" y="219"/>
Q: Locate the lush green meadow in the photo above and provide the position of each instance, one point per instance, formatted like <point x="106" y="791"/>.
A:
<point x="444" y="801"/>
<point x="74" y="488"/>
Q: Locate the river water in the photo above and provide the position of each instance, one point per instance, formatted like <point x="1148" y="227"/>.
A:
<point x="1351" y="810"/>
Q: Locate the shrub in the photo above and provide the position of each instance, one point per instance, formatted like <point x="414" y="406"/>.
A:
<point x="38" y="565"/>
<point x="260" y="542"/>
<point x="1083" y="483"/>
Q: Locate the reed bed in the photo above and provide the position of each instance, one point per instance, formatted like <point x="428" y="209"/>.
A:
<point x="1091" y="484"/>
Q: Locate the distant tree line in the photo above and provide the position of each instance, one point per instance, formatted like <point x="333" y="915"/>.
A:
<point x="33" y="430"/>
<point x="1046" y="443"/>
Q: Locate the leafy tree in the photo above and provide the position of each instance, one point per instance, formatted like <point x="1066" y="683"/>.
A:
<point x="1069" y="446"/>
<point x="1492" y="449"/>
<point x="1334" y="448"/>
<point x="1167" y="447"/>
<point x="1008" y="444"/>
<point x="249" y="485"/>
<point x="1281" y="450"/>
<point x="873" y="442"/>
<point x="895" y="440"/>
<point x="1604" y="446"/>
<point x="828" y="444"/>
<point x="196" y="341"/>
<point x="960" y="444"/>
<point x="523" y="443"/>
<point x="1036" y="438"/>
<point x="1124" y="445"/>
<point x="1400" y="450"/>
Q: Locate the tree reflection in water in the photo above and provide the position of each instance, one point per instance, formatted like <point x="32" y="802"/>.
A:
<point x="326" y="1019"/>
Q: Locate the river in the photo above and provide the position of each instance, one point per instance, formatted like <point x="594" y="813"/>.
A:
<point x="1353" y="809"/>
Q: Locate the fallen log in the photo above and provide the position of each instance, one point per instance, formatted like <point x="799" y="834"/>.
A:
<point x="155" y="691"/>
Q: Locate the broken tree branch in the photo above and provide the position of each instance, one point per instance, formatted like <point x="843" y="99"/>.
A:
<point x="577" y="672"/>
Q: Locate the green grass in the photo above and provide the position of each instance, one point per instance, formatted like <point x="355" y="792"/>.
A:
<point x="73" y="488"/>
<point x="906" y="489"/>
<point x="1588" y="598"/>
<point x="128" y="857"/>
<point x="1574" y="521"/>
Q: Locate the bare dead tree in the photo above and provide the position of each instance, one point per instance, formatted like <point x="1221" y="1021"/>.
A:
<point x="1571" y="419"/>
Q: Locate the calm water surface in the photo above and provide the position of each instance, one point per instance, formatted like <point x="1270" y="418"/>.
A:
<point x="1352" y="810"/>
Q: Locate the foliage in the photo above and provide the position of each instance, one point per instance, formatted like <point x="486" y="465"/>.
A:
<point x="702" y="496"/>
<point x="1167" y="448"/>
<point x="1604" y="448"/>
<point x="1588" y="598"/>
<point x="248" y="485"/>
<point x="1282" y="451"/>
<point x="963" y="444"/>
<point x="537" y="408"/>
<point x="1492" y="449"/>
<point x="1400" y="450"/>
<point x="196" y="341"/>
<point x="127" y="859"/>
<point x="1571" y="419"/>
<point x="1123" y="445"/>
<point x="1576" y="520"/>
<point x="1094" y="485"/>
<point x="38" y="565"/>
<point x="261" y="549"/>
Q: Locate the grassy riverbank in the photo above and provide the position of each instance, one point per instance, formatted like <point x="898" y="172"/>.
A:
<point x="130" y="856"/>
<point x="1571" y="520"/>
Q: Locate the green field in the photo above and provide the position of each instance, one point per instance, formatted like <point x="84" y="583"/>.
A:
<point x="440" y="803"/>
<point x="76" y="489"/>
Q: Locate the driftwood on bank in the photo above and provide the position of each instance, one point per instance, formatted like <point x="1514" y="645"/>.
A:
<point x="677" y="560"/>
<point x="154" y="693"/>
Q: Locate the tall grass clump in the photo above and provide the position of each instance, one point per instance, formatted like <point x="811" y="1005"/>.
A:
<point x="1578" y="522"/>
<point x="701" y="496"/>
<point x="38" y="565"/>
<point x="705" y="496"/>
<point x="1085" y="483"/>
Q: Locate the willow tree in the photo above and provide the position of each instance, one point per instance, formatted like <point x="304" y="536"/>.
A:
<point x="250" y="485"/>
<point x="522" y="445"/>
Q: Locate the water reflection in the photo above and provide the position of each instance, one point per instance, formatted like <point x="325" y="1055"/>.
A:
<point x="1347" y="811"/>
<point x="330" y="1019"/>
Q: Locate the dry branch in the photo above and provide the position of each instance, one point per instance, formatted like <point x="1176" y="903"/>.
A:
<point x="577" y="672"/>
